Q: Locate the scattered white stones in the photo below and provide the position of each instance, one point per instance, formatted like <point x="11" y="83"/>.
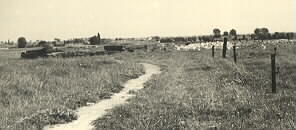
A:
<point x="204" y="45"/>
<point x="230" y="44"/>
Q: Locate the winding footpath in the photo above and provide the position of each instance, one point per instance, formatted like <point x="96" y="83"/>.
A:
<point x="87" y="114"/>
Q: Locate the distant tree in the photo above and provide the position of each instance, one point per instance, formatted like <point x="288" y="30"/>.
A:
<point x="45" y="44"/>
<point x="232" y="32"/>
<point x="262" y="33"/>
<point x="156" y="38"/>
<point x="192" y="39"/>
<point x="206" y="38"/>
<point x="200" y="38"/>
<point x="265" y="30"/>
<point x="257" y="31"/>
<point x="290" y="35"/>
<point x="265" y="34"/>
<point x="77" y="40"/>
<point x="93" y="40"/>
<point x="276" y="35"/>
<point x="165" y="40"/>
<point x="217" y="32"/>
<point x="244" y="37"/>
<point x="257" y="34"/>
<point x="283" y="35"/>
<point x="21" y="42"/>
<point x="225" y="33"/>
<point x="57" y="39"/>
<point x="253" y="36"/>
<point x="179" y="39"/>
<point x="42" y="43"/>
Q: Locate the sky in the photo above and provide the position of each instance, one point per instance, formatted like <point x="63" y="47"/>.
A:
<point x="49" y="19"/>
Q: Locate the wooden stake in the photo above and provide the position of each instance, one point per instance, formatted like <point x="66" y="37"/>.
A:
<point x="273" y="73"/>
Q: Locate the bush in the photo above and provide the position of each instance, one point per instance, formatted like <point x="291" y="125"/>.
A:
<point x="93" y="40"/>
<point x="21" y="42"/>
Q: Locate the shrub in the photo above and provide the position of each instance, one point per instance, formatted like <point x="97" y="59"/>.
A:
<point x="93" y="40"/>
<point x="21" y="42"/>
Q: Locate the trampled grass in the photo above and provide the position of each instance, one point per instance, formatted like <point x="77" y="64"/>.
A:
<point x="31" y="87"/>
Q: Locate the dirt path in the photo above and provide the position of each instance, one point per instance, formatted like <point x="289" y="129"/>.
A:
<point x="86" y="115"/>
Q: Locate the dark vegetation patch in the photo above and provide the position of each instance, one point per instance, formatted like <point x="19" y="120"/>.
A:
<point x="199" y="68"/>
<point x="259" y="54"/>
<point x="105" y="62"/>
<point x="47" y="117"/>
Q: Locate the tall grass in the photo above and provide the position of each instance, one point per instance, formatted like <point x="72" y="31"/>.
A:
<point x="28" y="87"/>
<point x="196" y="91"/>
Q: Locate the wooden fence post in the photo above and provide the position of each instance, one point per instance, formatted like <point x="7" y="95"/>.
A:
<point x="224" y="48"/>
<point x="273" y="71"/>
<point x="234" y="53"/>
<point x="213" y="51"/>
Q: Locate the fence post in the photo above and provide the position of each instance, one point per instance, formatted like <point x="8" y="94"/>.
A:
<point x="234" y="53"/>
<point x="273" y="72"/>
<point x="224" y="48"/>
<point x="213" y="51"/>
<point x="146" y="48"/>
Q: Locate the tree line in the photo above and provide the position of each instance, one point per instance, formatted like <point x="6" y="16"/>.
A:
<point x="94" y="40"/>
<point x="258" y="34"/>
<point x="217" y="35"/>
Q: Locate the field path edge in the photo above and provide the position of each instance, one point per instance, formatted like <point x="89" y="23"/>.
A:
<point x="87" y="114"/>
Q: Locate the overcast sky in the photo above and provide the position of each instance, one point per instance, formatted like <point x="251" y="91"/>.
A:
<point x="47" y="19"/>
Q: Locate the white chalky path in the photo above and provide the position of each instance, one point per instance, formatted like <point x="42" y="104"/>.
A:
<point x="87" y="114"/>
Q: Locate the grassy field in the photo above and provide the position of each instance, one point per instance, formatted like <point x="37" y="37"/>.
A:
<point x="34" y="93"/>
<point x="196" y="91"/>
